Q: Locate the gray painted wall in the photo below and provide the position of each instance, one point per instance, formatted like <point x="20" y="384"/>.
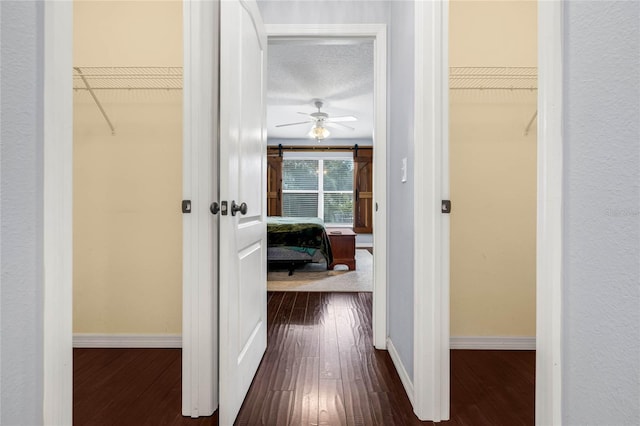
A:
<point x="401" y="230"/>
<point x="601" y="309"/>
<point x="21" y="220"/>
<point x="398" y="15"/>
<point x="324" y="12"/>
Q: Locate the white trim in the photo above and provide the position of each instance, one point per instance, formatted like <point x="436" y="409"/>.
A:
<point x="492" y="343"/>
<point x="92" y="340"/>
<point x="431" y="227"/>
<point x="200" y="242"/>
<point x="379" y="33"/>
<point x="509" y="343"/>
<point x="57" y="211"/>
<point x="549" y="222"/>
<point x="402" y="371"/>
<point x="45" y="354"/>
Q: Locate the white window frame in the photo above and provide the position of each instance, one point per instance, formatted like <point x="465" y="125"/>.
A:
<point x="320" y="158"/>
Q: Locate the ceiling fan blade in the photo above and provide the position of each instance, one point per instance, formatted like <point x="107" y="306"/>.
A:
<point x="303" y="113"/>
<point x="293" y="124"/>
<point x="335" y="125"/>
<point x="343" y="118"/>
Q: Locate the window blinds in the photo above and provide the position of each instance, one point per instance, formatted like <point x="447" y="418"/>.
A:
<point x="318" y="188"/>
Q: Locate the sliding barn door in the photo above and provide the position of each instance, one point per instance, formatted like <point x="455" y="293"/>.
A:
<point x="274" y="182"/>
<point x="363" y="191"/>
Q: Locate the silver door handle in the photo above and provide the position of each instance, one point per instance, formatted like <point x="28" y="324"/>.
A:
<point x="242" y="208"/>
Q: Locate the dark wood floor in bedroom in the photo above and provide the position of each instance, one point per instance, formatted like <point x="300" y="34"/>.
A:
<point x="320" y="368"/>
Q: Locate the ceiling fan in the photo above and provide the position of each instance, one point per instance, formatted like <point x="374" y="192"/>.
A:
<point x="321" y="120"/>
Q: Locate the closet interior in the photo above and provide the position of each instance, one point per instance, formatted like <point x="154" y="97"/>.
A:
<point x="492" y="158"/>
<point x="127" y="172"/>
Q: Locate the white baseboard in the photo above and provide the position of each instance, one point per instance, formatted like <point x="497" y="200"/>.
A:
<point x="402" y="372"/>
<point x="505" y="343"/>
<point x="90" y="340"/>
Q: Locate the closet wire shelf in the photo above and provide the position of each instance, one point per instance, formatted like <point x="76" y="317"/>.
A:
<point x="493" y="78"/>
<point x="127" y="78"/>
<point x="95" y="79"/>
<point x="170" y="78"/>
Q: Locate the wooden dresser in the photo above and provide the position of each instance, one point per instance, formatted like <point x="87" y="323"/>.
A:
<point x="343" y="247"/>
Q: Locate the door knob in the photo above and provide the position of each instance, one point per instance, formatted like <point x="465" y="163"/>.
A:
<point x="242" y="208"/>
<point x="214" y="208"/>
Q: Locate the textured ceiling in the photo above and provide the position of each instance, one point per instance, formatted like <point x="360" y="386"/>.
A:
<point x="338" y="72"/>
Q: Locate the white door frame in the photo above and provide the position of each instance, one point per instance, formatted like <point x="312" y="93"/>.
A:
<point x="431" y="274"/>
<point x="58" y="213"/>
<point x="58" y="251"/>
<point x="377" y="32"/>
<point x="431" y="227"/>
<point x="549" y="222"/>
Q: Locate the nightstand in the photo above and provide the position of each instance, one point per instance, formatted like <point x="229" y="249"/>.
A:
<point x="343" y="247"/>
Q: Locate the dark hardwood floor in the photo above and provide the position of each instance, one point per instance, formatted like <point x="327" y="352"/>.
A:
<point x="320" y="368"/>
<point x="129" y="387"/>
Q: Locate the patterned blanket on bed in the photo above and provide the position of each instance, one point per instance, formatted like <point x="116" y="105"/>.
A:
<point x="304" y="234"/>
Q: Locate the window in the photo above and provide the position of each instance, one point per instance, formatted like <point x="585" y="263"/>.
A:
<point x="318" y="187"/>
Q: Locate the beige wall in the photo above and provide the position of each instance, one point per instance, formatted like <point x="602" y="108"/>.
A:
<point x="127" y="187"/>
<point x="493" y="174"/>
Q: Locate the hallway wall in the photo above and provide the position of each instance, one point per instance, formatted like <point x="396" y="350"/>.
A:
<point x="21" y="217"/>
<point x="601" y="209"/>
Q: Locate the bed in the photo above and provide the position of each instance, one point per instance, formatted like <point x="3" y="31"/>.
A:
<point x="295" y="241"/>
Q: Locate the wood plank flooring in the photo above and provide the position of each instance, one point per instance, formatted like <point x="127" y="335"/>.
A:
<point x="492" y="388"/>
<point x="320" y="368"/>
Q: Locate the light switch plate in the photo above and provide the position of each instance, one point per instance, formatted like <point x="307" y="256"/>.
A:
<point x="404" y="169"/>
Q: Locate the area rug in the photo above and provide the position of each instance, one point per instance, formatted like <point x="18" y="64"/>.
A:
<point x="315" y="277"/>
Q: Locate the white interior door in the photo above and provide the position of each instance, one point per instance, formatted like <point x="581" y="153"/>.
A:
<point x="243" y="234"/>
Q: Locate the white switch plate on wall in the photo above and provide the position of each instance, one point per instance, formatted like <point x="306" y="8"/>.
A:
<point x="404" y="169"/>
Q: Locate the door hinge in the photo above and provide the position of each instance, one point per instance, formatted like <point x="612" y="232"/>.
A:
<point x="446" y="206"/>
<point x="186" y="206"/>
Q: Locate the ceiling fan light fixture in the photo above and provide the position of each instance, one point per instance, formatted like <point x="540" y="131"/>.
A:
<point x="318" y="132"/>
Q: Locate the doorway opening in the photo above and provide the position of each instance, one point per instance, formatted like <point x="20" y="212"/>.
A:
<point x="320" y="163"/>
<point x="493" y="161"/>
<point x="127" y="183"/>
<point x="349" y="38"/>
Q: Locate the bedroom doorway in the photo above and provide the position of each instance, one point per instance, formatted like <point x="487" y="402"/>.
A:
<point x="343" y="192"/>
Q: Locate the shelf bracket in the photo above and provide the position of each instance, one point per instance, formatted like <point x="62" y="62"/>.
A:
<point x="95" y="98"/>
<point x="528" y="128"/>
